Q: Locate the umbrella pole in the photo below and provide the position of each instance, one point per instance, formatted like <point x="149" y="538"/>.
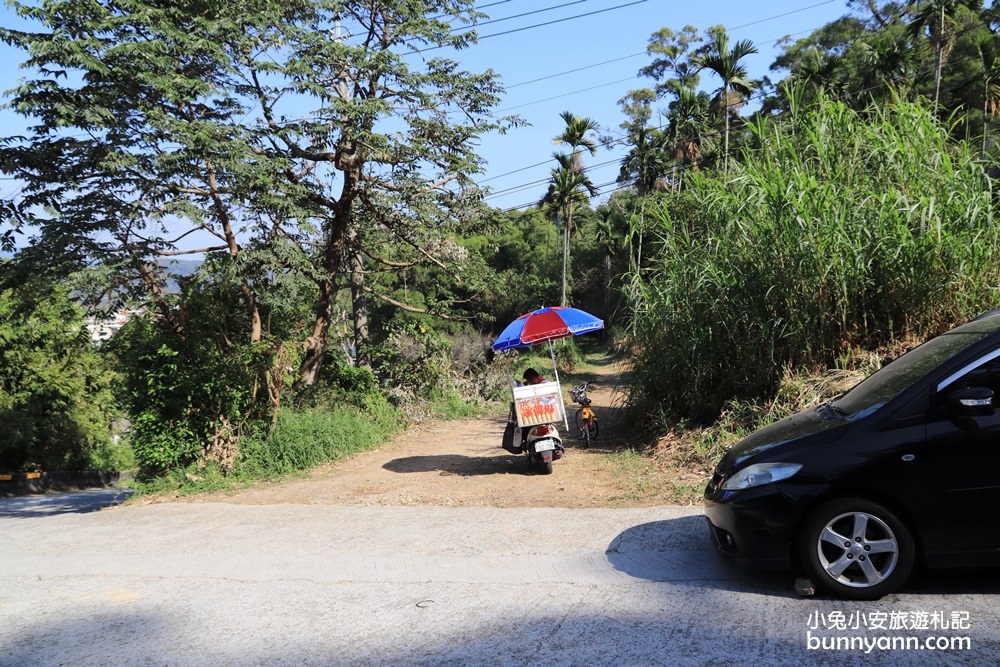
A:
<point x="555" y="369"/>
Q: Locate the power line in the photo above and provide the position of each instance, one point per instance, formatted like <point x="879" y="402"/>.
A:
<point x="533" y="26"/>
<point x="562" y="20"/>
<point x="574" y="71"/>
<point x="745" y="25"/>
<point x="517" y="16"/>
<point x="644" y="53"/>
<point x="515" y="188"/>
<point x="556" y="97"/>
<point x="780" y="16"/>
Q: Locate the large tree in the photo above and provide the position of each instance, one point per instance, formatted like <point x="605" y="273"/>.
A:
<point x="285" y="137"/>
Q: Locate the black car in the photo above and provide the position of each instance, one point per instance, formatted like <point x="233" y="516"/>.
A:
<point x="902" y="470"/>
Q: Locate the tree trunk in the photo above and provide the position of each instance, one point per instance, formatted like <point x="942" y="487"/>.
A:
<point x="986" y="100"/>
<point x="938" y="51"/>
<point x="314" y="346"/>
<point x="607" y="283"/>
<point x="937" y="76"/>
<point x="565" y="262"/>
<point x="725" y="118"/>
<point x="359" y="306"/>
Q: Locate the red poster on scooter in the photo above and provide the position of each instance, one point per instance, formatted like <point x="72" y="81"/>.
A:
<point x="538" y="404"/>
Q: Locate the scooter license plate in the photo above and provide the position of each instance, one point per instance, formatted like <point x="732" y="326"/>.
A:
<point x="545" y="445"/>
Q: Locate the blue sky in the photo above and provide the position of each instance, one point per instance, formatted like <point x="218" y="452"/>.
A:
<point x="619" y="35"/>
<point x="607" y="48"/>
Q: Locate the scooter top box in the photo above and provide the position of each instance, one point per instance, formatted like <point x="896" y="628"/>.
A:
<point x="538" y="404"/>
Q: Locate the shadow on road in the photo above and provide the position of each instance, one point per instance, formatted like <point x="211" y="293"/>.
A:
<point x="456" y="464"/>
<point x="679" y="550"/>
<point x="75" y="502"/>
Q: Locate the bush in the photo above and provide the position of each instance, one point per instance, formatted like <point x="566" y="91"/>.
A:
<point x="56" y="404"/>
<point x="186" y="394"/>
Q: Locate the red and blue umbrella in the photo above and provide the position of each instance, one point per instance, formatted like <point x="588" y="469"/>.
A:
<point x="546" y="324"/>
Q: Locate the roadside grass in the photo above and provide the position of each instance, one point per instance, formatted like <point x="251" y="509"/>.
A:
<point x="302" y="439"/>
<point x="643" y="481"/>
<point x="449" y="405"/>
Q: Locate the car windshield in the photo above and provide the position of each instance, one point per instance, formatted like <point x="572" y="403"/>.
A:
<point x="887" y="383"/>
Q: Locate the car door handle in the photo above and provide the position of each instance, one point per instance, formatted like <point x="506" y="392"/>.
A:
<point x="909" y="457"/>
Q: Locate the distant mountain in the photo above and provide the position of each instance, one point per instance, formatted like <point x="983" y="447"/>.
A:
<point x="181" y="267"/>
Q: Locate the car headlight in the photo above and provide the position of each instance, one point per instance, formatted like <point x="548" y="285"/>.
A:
<point x="760" y="473"/>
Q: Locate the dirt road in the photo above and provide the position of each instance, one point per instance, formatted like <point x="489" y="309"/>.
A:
<point x="460" y="463"/>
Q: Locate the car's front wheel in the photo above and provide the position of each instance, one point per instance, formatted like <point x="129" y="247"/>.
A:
<point x="857" y="549"/>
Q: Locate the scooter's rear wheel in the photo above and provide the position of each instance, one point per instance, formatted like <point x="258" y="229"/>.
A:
<point x="545" y="467"/>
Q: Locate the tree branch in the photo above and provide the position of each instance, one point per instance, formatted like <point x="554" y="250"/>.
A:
<point x="386" y="262"/>
<point x="196" y="251"/>
<point x="411" y="309"/>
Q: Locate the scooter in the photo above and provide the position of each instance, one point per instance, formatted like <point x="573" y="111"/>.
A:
<point x="541" y="443"/>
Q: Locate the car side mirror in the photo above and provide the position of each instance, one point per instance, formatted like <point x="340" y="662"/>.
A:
<point x="972" y="402"/>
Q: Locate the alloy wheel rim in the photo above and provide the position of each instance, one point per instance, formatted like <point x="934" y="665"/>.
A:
<point x="857" y="549"/>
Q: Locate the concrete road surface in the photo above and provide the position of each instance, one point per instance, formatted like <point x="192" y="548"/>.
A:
<point x="218" y="584"/>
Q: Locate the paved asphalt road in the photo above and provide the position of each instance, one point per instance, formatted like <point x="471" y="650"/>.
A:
<point x="220" y="584"/>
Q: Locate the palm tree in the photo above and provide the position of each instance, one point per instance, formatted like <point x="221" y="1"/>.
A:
<point x="687" y="129"/>
<point x="725" y="62"/>
<point x="888" y="61"/>
<point x="938" y="17"/>
<point x="645" y="162"/>
<point x="576" y="136"/>
<point x="604" y="233"/>
<point x="991" y="86"/>
<point x="818" y="70"/>
<point x="568" y="186"/>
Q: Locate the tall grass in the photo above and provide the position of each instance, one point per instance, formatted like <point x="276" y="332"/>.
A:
<point x="838" y="231"/>
<point x="306" y="438"/>
<point x="303" y="438"/>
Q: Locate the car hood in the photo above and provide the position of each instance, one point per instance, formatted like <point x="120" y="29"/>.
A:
<point x="805" y="428"/>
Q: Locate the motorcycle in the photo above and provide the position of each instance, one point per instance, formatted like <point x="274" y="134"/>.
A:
<point x="541" y="443"/>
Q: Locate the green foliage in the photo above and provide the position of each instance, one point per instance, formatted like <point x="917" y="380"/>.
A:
<point x="114" y="455"/>
<point x="56" y="405"/>
<point x="568" y="355"/>
<point x="163" y="444"/>
<point x="413" y="357"/>
<point x="449" y="404"/>
<point x="523" y="259"/>
<point x="303" y="438"/>
<point x="182" y="391"/>
<point x="842" y="230"/>
<point x="338" y="383"/>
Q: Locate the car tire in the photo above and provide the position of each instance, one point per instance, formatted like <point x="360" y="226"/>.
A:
<point x="856" y="549"/>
